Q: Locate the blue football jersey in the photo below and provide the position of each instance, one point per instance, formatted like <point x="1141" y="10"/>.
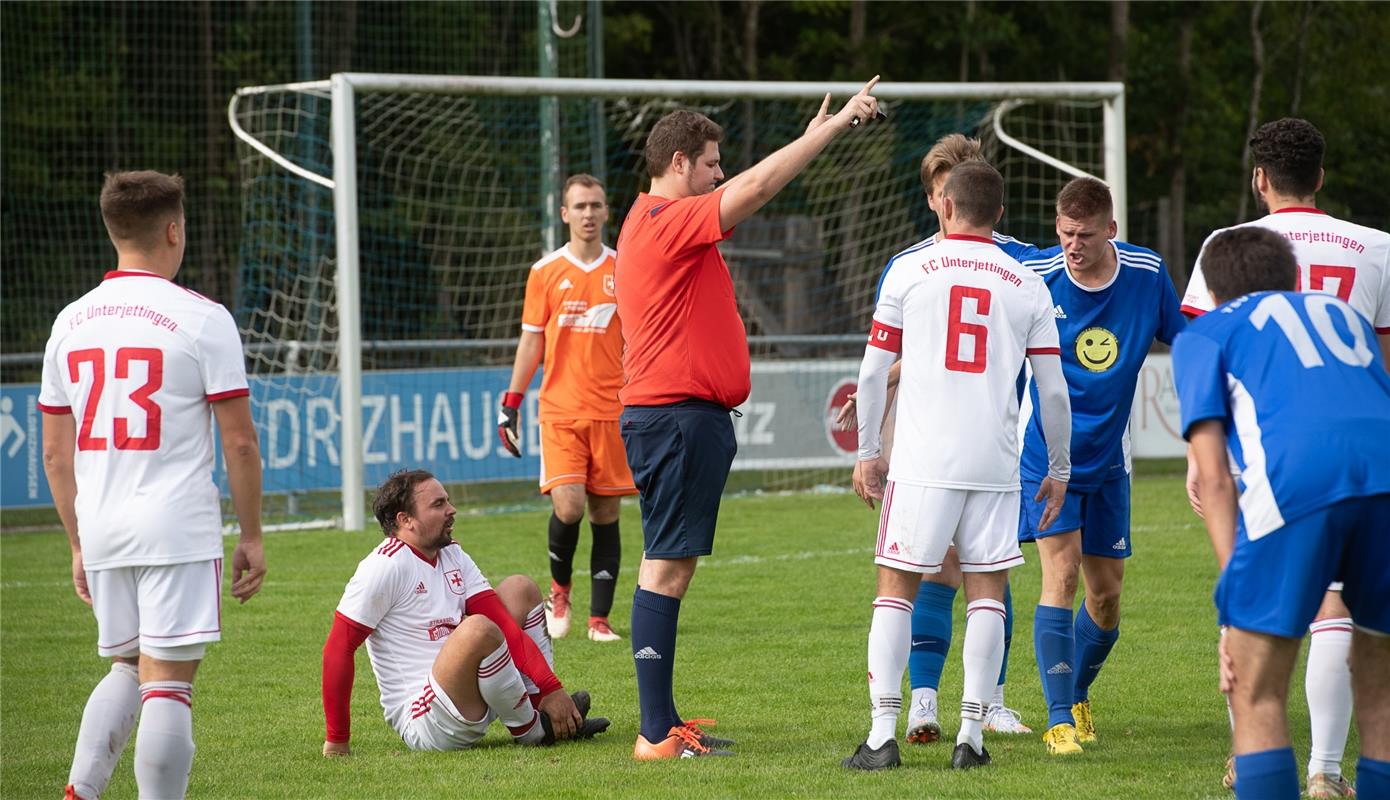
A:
<point x="1018" y="251"/>
<point x="1299" y="384"/>
<point x="1105" y="335"/>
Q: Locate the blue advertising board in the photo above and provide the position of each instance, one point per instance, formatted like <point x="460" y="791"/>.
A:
<point x="442" y="420"/>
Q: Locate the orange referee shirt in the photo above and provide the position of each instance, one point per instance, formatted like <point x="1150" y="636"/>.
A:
<point x="573" y="305"/>
<point x="685" y="338"/>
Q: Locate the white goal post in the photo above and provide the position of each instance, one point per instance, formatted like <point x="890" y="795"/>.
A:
<point x="343" y="91"/>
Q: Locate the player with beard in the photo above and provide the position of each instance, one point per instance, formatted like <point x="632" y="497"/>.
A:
<point x="449" y="653"/>
<point x="1353" y="262"/>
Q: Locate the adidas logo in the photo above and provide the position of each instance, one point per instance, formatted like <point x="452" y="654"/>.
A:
<point x="420" y="589"/>
<point x="565" y="284"/>
<point x="646" y="652"/>
<point x="603" y="575"/>
<point x="1058" y="312"/>
<point x="1120" y="545"/>
<point x="893" y="548"/>
<point x="1060" y="668"/>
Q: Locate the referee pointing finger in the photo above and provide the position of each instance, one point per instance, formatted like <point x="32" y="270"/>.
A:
<point x="686" y="362"/>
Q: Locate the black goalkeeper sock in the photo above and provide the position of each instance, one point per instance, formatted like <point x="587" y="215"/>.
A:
<point x="563" y="539"/>
<point x="603" y="567"/>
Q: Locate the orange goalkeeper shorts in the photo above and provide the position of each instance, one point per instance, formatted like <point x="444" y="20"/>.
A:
<point x="587" y="451"/>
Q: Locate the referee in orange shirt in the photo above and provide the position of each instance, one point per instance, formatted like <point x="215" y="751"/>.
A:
<point x="687" y="366"/>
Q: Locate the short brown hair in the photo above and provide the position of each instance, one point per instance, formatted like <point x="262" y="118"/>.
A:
<point x="397" y="494"/>
<point x="1084" y="198"/>
<point x="579" y="179"/>
<point x="977" y="189"/>
<point x="1290" y="152"/>
<point x="680" y="131"/>
<point x="137" y="205"/>
<point x="1239" y="261"/>
<point x="949" y="150"/>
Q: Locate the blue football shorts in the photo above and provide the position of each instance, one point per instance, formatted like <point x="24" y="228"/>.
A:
<point x="1102" y="515"/>
<point x="1275" y="584"/>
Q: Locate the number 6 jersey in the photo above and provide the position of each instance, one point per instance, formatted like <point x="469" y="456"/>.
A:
<point x="966" y="315"/>
<point x="138" y="361"/>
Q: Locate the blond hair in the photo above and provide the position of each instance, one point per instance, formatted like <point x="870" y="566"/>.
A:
<point x="949" y="150"/>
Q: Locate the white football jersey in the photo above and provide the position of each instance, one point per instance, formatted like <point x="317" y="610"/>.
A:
<point x="411" y="605"/>
<point x="138" y="361"/>
<point x="1334" y="256"/>
<point x="969" y="316"/>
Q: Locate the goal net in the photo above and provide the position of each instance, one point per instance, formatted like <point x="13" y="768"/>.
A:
<point x="455" y="197"/>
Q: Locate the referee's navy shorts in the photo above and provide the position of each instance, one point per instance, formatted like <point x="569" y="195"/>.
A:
<point x="680" y="456"/>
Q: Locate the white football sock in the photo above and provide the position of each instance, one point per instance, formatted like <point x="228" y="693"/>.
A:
<point x="535" y="628"/>
<point x="923" y="697"/>
<point x="500" y="684"/>
<point x="890" y="642"/>
<point x="107" y="722"/>
<point x="164" y="745"/>
<point x="981" y="655"/>
<point x="1328" y="685"/>
<point x="998" y="696"/>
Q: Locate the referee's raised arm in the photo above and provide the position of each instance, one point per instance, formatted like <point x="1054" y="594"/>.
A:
<point x="751" y="189"/>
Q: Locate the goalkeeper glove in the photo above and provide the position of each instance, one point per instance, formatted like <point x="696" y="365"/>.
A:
<point x="509" y="422"/>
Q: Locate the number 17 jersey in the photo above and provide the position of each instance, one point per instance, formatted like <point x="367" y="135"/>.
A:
<point x="968" y="315"/>
<point x="138" y="361"/>
<point x="1334" y="256"/>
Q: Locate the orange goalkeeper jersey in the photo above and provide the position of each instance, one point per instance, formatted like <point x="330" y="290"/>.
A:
<point x="573" y="305"/>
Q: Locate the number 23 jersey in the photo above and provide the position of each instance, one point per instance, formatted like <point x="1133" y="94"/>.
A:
<point x="138" y="361"/>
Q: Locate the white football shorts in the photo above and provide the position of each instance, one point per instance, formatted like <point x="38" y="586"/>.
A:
<point x="433" y="723"/>
<point x="156" y="609"/>
<point x="917" y="524"/>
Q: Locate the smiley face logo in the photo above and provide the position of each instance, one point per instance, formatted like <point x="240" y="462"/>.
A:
<point x="1097" y="349"/>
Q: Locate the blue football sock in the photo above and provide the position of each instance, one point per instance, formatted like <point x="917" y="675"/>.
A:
<point x="1372" y="778"/>
<point x="1267" y="775"/>
<point x="931" y="634"/>
<point x="1008" y="633"/>
<point x="1052" y="643"/>
<point x="654" y="618"/>
<point x="1093" y="646"/>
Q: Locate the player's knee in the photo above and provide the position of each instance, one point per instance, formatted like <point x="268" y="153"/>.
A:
<point x="1105" y="605"/>
<point x="1062" y="578"/>
<point x="604" y="510"/>
<point x="477" y="631"/>
<point x="520" y="594"/>
<point x="568" y="503"/>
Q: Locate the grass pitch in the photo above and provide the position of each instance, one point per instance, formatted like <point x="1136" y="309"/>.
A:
<point x="772" y="644"/>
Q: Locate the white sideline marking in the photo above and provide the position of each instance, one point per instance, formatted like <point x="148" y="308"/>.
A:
<point x="738" y="561"/>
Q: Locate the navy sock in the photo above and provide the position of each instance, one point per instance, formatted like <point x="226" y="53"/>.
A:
<point x="1008" y="633"/>
<point x="1052" y="643"/>
<point x="931" y="634"/>
<point x="1268" y="775"/>
<point x="1093" y="646"/>
<point x="1372" y="778"/>
<point x="654" y="618"/>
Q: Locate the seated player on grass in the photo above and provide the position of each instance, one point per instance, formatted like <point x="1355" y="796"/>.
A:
<point x="449" y="654"/>
<point x="1291" y="389"/>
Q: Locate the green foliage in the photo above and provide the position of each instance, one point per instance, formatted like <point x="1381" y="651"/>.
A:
<point x="772" y="644"/>
<point x="90" y="87"/>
